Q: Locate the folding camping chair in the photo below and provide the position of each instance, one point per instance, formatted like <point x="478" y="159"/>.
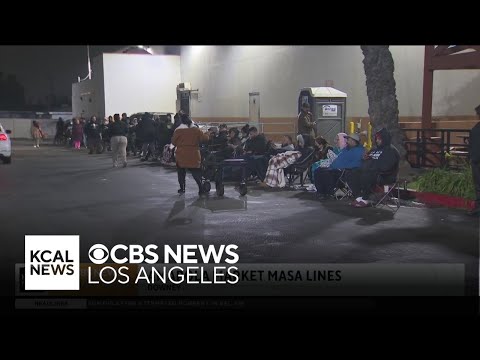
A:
<point x="299" y="169"/>
<point x="342" y="190"/>
<point x="390" y="192"/>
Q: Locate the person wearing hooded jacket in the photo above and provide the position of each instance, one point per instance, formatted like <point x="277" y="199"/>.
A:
<point x="93" y="135"/>
<point x="382" y="160"/>
<point x="306" y="124"/>
<point x="146" y="132"/>
<point x="164" y="134"/>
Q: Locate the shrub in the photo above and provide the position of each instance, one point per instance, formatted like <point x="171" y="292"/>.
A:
<point x="448" y="182"/>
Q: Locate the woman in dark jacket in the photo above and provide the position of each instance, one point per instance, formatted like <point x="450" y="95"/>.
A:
<point x="234" y="141"/>
<point x="321" y="148"/>
<point x="164" y="134"/>
<point x="146" y="132"/>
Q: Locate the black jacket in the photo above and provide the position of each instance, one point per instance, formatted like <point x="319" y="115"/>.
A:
<point x="220" y="141"/>
<point x="257" y="145"/>
<point x="164" y="134"/>
<point x="104" y="130"/>
<point x="322" y="154"/>
<point x="93" y="130"/>
<point x="474" y="142"/>
<point x="383" y="159"/>
<point x="60" y="126"/>
<point x="306" y="123"/>
<point x="146" y="130"/>
<point x="132" y="130"/>
<point x="118" y="128"/>
<point x="231" y="146"/>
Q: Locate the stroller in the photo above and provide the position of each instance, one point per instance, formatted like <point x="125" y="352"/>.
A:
<point x="214" y="162"/>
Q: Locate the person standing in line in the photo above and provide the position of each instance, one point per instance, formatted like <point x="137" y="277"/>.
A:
<point x="118" y="136"/>
<point x="93" y="136"/>
<point x="77" y="133"/>
<point x="306" y="123"/>
<point x="37" y="134"/>
<point x="187" y="139"/>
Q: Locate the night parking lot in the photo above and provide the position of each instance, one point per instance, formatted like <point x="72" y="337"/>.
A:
<point x="55" y="190"/>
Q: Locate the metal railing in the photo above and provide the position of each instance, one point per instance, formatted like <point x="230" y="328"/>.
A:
<point x="291" y="132"/>
<point x="261" y="126"/>
<point x="437" y="147"/>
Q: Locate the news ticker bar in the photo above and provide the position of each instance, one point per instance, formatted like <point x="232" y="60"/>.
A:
<point x="272" y="280"/>
<point x="442" y="305"/>
<point x="119" y="303"/>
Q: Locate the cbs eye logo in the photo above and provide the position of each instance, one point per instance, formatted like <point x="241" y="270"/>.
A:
<point x="98" y="254"/>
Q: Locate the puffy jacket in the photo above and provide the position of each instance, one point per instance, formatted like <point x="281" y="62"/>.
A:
<point x="349" y="158"/>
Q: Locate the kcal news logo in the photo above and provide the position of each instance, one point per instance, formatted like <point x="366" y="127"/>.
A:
<point x="52" y="262"/>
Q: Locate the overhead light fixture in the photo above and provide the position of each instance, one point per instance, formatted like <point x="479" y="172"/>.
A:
<point x="197" y="48"/>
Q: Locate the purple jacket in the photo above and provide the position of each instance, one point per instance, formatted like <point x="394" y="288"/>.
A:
<point x="77" y="132"/>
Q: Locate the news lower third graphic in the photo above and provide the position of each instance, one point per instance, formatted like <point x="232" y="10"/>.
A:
<point x="53" y="277"/>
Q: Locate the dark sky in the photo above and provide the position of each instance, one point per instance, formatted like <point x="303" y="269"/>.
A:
<point x="45" y="69"/>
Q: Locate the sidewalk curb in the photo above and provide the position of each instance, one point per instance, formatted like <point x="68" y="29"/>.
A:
<point x="433" y="199"/>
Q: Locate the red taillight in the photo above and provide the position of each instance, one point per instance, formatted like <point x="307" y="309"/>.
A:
<point x="3" y="137"/>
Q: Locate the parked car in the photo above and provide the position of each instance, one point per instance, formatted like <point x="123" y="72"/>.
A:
<point x="5" y="146"/>
<point x="154" y="115"/>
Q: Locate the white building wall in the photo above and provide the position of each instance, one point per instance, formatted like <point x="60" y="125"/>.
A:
<point x="140" y="83"/>
<point x="20" y="127"/>
<point x="88" y="97"/>
<point x="455" y="92"/>
<point x="225" y="75"/>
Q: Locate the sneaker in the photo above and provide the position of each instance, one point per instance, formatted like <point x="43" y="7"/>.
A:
<point x="361" y="204"/>
<point x="311" y="187"/>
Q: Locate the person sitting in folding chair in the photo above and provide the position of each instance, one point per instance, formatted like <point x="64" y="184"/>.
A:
<point x="381" y="162"/>
<point x="349" y="158"/>
<point x="255" y="154"/>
